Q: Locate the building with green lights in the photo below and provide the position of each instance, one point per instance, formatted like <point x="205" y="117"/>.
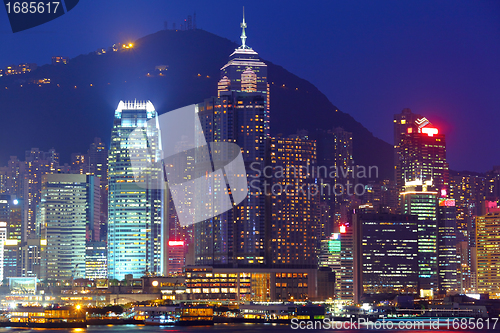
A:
<point x="421" y="199"/>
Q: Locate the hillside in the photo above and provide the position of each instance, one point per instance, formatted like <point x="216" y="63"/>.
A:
<point x="79" y="101"/>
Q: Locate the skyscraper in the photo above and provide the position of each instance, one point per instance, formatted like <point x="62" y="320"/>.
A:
<point x="96" y="260"/>
<point x="98" y="166"/>
<point x="468" y="191"/>
<point x="488" y="253"/>
<point x="135" y="210"/>
<point x="385" y="254"/>
<point x="420" y="199"/>
<point x="3" y="180"/>
<point x="295" y="224"/>
<point x="12" y="211"/>
<point x="447" y="246"/>
<point x="70" y="206"/>
<point x="3" y="240"/>
<point x="347" y="293"/>
<point x="38" y="163"/>
<point x="402" y="121"/>
<point x="240" y="115"/>
<point x="334" y="152"/>
<point x="422" y="156"/>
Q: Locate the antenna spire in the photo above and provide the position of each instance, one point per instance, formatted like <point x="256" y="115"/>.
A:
<point x="243" y="34"/>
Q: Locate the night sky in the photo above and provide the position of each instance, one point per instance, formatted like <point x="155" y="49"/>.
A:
<point x="370" y="58"/>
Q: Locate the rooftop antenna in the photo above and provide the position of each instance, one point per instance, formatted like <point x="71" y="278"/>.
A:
<point x="243" y="34"/>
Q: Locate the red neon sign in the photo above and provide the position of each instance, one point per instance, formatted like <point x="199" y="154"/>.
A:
<point x="430" y="131"/>
<point x="343" y="229"/>
<point x="175" y="243"/>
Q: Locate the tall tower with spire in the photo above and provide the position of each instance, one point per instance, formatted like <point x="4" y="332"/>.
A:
<point x="244" y="65"/>
<point x="239" y="114"/>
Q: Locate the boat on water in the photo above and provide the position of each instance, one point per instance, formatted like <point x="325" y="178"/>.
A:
<point x="159" y="315"/>
<point x="175" y="315"/>
<point x="39" y="317"/>
<point x="281" y="313"/>
<point x="195" y="316"/>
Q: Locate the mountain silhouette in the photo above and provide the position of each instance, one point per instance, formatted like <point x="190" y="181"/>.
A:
<point x="79" y="102"/>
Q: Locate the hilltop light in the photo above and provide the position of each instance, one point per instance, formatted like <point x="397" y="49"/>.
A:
<point x="130" y="45"/>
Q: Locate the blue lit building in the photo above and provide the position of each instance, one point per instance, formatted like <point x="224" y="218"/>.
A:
<point x="135" y="210"/>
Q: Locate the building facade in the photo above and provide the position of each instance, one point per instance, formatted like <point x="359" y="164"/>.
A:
<point x="488" y="254"/>
<point x="447" y="246"/>
<point x="422" y="156"/>
<point x="386" y="254"/>
<point x="240" y="114"/>
<point x="135" y="210"/>
<point x="250" y="284"/>
<point x="295" y="222"/>
<point x="69" y="208"/>
<point x="421" y="199"/>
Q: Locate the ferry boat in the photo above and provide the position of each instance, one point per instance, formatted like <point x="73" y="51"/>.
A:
<point x="195" y="316"/>
<point x="39" y="317"/>
<point x="175" y="315"/>
<point x="159" y="315"/>
<point x="281" y="313"/>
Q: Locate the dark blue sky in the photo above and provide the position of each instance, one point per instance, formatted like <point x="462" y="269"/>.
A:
<point x="371" y="58"/>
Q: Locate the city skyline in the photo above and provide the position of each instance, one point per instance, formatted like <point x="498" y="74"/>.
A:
<point x="215" y="206"/>
<point x="445" y="104"/>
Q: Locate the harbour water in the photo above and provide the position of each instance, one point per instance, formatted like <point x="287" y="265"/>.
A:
<point x="218" y="328"/>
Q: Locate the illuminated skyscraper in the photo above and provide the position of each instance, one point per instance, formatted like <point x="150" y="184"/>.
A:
<point x="30" y="257"/>
<point x="98" y="166"/>
<point x="447" y="245"/>
<point x="334" y="152"/>
<point x="422" y="156"/>
<point x="347" y="293"/>
<point x="176" y="257"/>
<point x="246" y="72"/>
<point x="330" y="256"/>
<point x="38" y="163"/>
<point x="96" y="266"/>
<point x="468" y="191"/>
<point x="70" y="206"/>
<point x="12" y="211"/>
<point x="385" y="254"/>
<point x="295" y="224"/>
<point x="488" y="253"/>
<point x="240" y="115"/>
<point x="421" y="199"/>
<point x="3" y="180"/>
<point x="15" y="177"/>
<point x="3" y="240"/>
<point x="402" y="121"/>
<point x="135" y="213"/>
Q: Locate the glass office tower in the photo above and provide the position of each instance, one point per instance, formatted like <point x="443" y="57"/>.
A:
<point x="70" y="204"/>
<point x="421" y="199"/>
<point x="135" y="205"/>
